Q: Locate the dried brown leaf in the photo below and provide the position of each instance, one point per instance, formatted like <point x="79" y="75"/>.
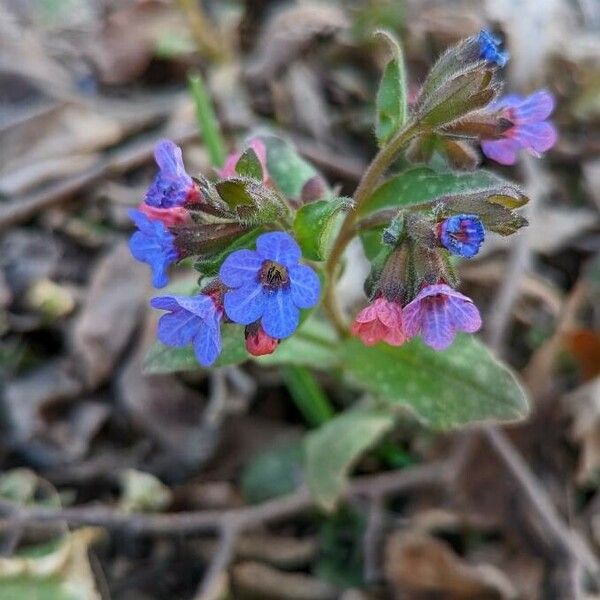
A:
<point x="422" y="565"/>
<point x="118" y="290"/>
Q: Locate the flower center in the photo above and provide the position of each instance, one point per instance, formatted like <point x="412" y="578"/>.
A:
<point x="273" y="276"/>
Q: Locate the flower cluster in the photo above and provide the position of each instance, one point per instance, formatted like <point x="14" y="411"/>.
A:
<point x="263" y="289"/>
<point x="237" y="223"/>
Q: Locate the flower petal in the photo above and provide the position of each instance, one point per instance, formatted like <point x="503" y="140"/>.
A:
<point x="280" y="247"/>
<point x="305" y="286"/>
<point x="178" y="328"/>
<point x="367" y="314"/>
<point x="464" y="315"/>
<point x="502" y="151"/>
<point x="281" y="316"/>
<point x="200" y="305"/>
<point x="169" y="158"/>
<point x="207" y="342"/>
<point x="538" y="137"/>
<point x="149" y="251"/>
<point x="165" y="303"/>
<point x="389" y="313"/>
<point x="370" y="333"/>
<point x="245" y="304"/>
<point x="240" y="267"/>
<point x="536" y="107"/>
<point x="412" y="318"/>
<point x="176" y="215"/>
<point x="437" y="330"/>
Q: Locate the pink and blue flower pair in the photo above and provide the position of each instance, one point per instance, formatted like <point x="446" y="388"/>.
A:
<point x="529" y="129"/>
<point x="437" y="313"/>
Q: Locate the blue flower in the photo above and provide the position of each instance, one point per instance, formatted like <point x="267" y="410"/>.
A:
<point x="154" y="244"/>
<point x="172" y="186"/>
<point x="489" y="48"/>
<point x="269" y="284"/>
<point x="529" y="129"/>
<point x="461" y="234"/>
<point x="192" y="320"/>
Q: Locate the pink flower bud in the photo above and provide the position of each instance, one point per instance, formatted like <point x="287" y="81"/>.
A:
<point x="258" y="342"/>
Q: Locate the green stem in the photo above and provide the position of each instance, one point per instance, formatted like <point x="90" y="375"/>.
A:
<point x="207" y="120"/>
<point x="308" y="395"/>
<point x="370" y="179"/>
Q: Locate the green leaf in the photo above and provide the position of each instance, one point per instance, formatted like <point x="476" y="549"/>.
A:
<point x="457" y="97"/>
<point x="315" y="345"/>
<point x="331" y="451"/>
<point x="251" y="200"/>
<point x="207" y="120"/>
<point x="57" y="571"/>
<point x="391" y="101"/>
<point x="249" y="165"/>
<point x="210" y="265"/>
<point x="308" y="395"/>
<point x="463" y="384"/>
<point x="316" y="226"/>
<point x="286" y="167"/>
<point x="421" y="185"/>
<point x="235" y="193"/>
<point x="272" y="473"/>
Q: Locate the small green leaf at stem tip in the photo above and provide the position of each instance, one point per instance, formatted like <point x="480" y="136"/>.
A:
<point x="391" y="101"/>
<point x="307" y="394"/>
<point x="249" y="165"/>
<point x="331" y="450"/>
<point x="461" y="385"/>
<point x="207" y="121"/>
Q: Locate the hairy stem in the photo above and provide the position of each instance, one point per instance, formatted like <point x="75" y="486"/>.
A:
<point x="371" y="177"/>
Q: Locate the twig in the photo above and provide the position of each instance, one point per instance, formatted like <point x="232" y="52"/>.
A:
<point x="217" y="401"/>
<point x="212" y="583"/>
<point x="519" y="260"/>
<point x="537" y="372"/>
<point x="214" y="521"/>
<point x="119" y="161"/>
<point x="568" y="539"/>
<point x="372" y="540"/>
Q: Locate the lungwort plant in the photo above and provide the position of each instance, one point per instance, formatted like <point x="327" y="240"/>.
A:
<point x="267" y="237"/>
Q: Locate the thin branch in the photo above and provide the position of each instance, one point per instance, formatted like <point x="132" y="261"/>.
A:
<point x="536" y="185"/>
<point x="215" y="521"/>
<point x="519" y="262"/>
<point x="569" y="540"/>
<point x="372" y="540"/>
<point x="211" y="587"/>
